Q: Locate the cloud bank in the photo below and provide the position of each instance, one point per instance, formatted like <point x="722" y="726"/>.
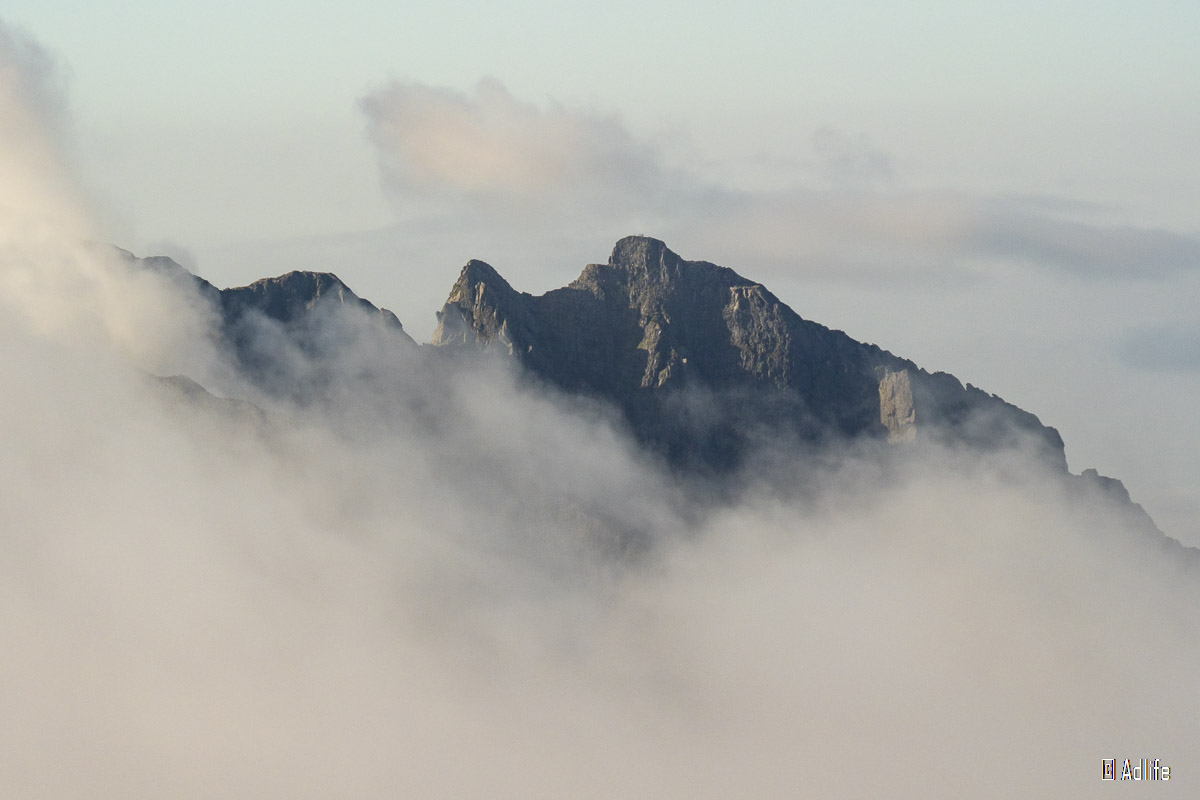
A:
<point x="456" y="584"/>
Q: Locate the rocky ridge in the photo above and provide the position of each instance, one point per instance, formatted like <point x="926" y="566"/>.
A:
<point x="300" y="311"/>
<point x="704" y="362"/>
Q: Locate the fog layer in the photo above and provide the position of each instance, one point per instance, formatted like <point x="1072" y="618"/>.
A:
<point x="442" y="581"/>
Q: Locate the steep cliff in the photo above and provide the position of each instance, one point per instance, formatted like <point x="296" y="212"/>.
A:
<point x="703" y="362"/>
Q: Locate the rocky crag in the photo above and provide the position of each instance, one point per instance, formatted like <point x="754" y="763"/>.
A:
<point x="310" y="314"/>
<point x="704" y="363"/>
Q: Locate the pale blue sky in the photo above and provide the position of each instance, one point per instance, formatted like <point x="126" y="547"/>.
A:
<point x="1005" y="191"/>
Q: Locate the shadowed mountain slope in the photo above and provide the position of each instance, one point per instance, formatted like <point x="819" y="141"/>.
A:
<point x="703" y="362"/>
<point x="704" y="365"/>
<point x="283" y="332"/>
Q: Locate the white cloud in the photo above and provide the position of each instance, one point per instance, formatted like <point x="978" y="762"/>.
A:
<point x="37" y="184"/>
<point x="488" y="150"/>
<point x="63" y="286"/>
<point x="415" y="590"/>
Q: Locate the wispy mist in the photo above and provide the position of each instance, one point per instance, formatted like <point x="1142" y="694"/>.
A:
<point x="37" y="183"/>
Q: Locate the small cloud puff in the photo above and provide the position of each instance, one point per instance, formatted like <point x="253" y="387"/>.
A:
<point x="488" y="150"/>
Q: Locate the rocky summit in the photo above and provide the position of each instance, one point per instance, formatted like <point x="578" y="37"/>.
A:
<point x="704" y="363"/>
<point x="310" y="313"/>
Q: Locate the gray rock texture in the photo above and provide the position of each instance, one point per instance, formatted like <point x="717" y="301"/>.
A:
<point x="703" y="363"/>
<point x="896" y="410"/>
<point x="284" y="333"/>
<point x="292" y="297"/>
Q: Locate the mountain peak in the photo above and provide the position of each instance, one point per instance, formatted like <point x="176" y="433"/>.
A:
<point x="475" y="274"/>
<point x="292" y="296"/>
<point x="641" y="253"/>
<point x="481" y="294"/>
<point x="703" y="362"/>
<point x="293" y="310"/>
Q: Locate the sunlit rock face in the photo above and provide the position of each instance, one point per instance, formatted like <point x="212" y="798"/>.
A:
<point x="896" y="410"/>
<point x="703" y="362"/>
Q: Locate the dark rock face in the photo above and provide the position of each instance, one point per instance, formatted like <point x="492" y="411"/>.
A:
<point x="289" y="332"/>
<point x="273" y="325"/>
<point x="704" y="362"/>
<point x="289" y="298"/>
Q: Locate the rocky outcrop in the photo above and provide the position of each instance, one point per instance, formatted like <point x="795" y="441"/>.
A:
<point x="1109" y="498"/>
<point x="703" y="362"/>
<point x="896" y="410"/>
<point x="289" y="333"/>
<point x="290" y="298"/>
<point x="279" y="330"/>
